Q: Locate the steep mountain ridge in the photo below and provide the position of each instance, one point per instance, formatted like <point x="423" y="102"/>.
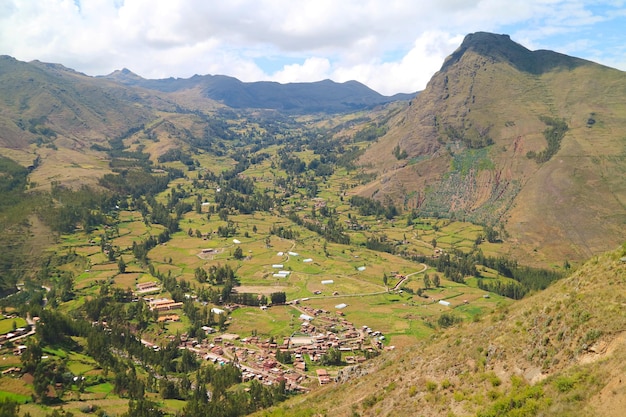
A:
<point x="474" y="139"/>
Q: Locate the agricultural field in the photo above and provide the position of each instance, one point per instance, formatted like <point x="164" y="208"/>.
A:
<point x="239" y="255"/>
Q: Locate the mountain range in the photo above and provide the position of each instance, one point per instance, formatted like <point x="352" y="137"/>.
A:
<point x="530" y="142"/>
<point x="322" y="96"/>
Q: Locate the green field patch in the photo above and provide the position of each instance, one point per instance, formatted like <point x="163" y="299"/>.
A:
<point x="104" y="388"/>
<point x="18" y="398"/>
<point x="275" y="321"/>
<point x="8" y="325"/>
<point x="58" y="352"/>
<point x="80" y="364"/>
<point x="127" y="280"/>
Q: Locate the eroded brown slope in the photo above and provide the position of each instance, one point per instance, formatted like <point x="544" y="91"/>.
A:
<point x="494" y="91"/>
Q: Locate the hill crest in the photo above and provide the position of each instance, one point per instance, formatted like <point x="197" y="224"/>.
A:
<point x="500" y="48"/>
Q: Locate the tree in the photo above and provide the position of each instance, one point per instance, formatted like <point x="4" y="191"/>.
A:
<point x="143" y="408"/>
<point x="278" y="297"/>
<point x="447" y="320"/>
<point x="238" y="253"/>
<point x="332" y="357"/>
<point x="434" y="243"/>
<point x="9" y="408"/>
<point x="385" y="279"/>
<point x="121" y="265"/>
<point x="436" y="281"/>
<point x="201" y="275"/>
<point x="491" y="234"/>
<point x="426" y="281"/>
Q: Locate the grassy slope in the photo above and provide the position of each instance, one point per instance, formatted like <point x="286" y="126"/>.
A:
<point x="568" y="341"/>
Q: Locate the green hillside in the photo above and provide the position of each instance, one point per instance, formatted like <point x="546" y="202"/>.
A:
<point x="559" y="353"/>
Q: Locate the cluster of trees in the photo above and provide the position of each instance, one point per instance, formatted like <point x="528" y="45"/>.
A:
<point x="284" y="232"/>
<point x="399" y="154"/>
<point x="370" y="133"/>
<point x="85" y="207"/>
<point x="554" y="133"/>
<point x="225" y="401"/>
<point x="140" y="250"/>
<point x="332" y="231"/>
<point x="380" y="244"/>
<point x="456" y="265"/>
<point x="371" y="207"/>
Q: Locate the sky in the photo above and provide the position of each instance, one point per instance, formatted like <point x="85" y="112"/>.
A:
<point x="391" y="46"/>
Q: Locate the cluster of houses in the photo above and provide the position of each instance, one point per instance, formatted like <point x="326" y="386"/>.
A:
<point x="15" y="335"/>
<point x="320" y="331"/>
<point x="20" y="331"/>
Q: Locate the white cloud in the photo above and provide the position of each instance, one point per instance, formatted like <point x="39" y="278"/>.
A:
<point x="391" y="45"/>
<point x="411" y="72"/>
<point x="313" y="69"/>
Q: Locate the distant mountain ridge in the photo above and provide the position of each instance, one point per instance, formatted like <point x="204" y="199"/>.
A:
<point x="321" y="96"/>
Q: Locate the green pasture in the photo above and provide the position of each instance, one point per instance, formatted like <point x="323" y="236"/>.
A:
<point x="7" y="325"/>
<point x="276" y="321"/>
<point x="18" y="398"/>
<point x="104" y="388"/>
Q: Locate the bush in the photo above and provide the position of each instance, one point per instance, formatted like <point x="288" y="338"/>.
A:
<point x="447" y="320"/>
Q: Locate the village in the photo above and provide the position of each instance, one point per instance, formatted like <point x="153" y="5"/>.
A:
<point x="320" y="331"/>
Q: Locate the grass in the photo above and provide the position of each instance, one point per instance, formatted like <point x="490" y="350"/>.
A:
<point x="104" y="388"/>
<point x="8" y="325"/>
<point x="18" y="398"/>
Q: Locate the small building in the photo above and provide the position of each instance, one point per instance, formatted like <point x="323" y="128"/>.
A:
<point x="322" y="376"/>
<point x="328" y="282"/>
<point x="168" y="318"/>
<point x="444" y="303"/>
<point x="164" y="304"/>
